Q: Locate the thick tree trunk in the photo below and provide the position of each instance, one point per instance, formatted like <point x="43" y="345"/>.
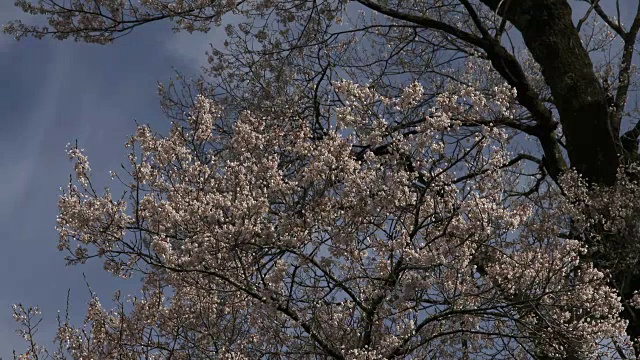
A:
<point x="592" y="140"/>
<point x="554" y="43"/>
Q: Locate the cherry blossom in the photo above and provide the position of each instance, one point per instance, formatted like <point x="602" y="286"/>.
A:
<point x="366" y="243"/>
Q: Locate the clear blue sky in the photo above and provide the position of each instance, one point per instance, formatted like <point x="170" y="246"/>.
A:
<point x="52" y="93"/>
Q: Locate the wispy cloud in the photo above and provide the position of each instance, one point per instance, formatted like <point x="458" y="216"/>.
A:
<point x="58" y="92"/>
<point x="189" y="49"/>
<point x="18" y="168"/>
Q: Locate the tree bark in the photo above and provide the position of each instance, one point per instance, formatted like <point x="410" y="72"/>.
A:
<point x="593" y="144"/>
<point x="554" y="42"/>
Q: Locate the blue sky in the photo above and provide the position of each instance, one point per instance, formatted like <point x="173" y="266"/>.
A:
<point x="53" y="93"/>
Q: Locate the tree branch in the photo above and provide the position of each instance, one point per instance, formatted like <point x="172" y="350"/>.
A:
<point x="624" y="77"/>
<point x="507" y="66"/>
<point x="426" y="22"/>
<point x="603" y="15"/>
<point x="548" y="31"/>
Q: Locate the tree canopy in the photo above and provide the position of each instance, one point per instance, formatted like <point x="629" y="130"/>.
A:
<point x="369" y="179"/>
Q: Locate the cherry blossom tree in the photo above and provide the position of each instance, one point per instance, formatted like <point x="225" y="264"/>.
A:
<point x="368" y="180"/>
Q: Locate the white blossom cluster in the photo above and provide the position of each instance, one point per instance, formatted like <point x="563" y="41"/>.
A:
<point x="102" y="21"/>
<point x="376" y="240"/>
